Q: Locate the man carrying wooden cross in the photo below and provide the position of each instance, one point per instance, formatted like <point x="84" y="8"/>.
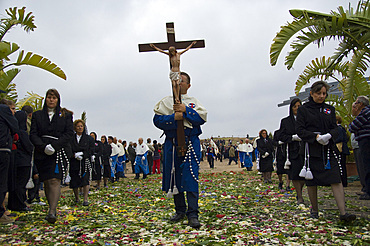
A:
<point x="180" y="174"/>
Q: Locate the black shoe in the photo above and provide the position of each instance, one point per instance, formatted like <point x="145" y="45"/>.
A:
<point x="86" y="203"/>
<point x="280" y="186"/>
<point x="365" y="196"/>
<point x="194" y="223"/>
<point x="177" y="217"/>
<point x="314" y="215"/>
<point x="51" y="218"/>
<point x="144" y="176"/>
<point x="347" y="217"/>
<point x="288" y="189"/>
<point x="137" y="176"/>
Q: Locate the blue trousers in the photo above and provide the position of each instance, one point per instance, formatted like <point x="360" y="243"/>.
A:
<point x="242" y="157"/>
<point x="180" y="204"/>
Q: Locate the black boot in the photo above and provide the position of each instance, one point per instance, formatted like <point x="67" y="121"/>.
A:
<point x="144" y="176"/>
<point x="137" y="176"/>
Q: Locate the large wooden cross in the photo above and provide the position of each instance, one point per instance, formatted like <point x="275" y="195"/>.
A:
<point x="171" y="41"/>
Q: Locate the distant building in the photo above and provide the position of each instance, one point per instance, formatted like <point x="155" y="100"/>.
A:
<point x="334" y="90"/>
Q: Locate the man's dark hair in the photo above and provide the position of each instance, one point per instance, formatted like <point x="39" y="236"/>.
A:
<point x="28" y="109"/>
<point x="110" y="137"/>
<point x="124" y="142"/>
<point x="186" y="75"/>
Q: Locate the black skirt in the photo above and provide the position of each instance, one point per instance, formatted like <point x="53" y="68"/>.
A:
<point x="97" y="170"/>
<point x="322" y="176"/>
<point x="47" y="168"/>
<point x="266" y="164"/>
<point x="280" y="167"/>
<point x="295" y="168"/>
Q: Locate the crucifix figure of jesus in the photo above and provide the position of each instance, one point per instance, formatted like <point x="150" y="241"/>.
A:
<point x="171" y="45"/>
<point x="175" y="67"/>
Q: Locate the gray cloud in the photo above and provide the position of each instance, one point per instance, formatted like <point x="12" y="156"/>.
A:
<point x="95" y="43"/>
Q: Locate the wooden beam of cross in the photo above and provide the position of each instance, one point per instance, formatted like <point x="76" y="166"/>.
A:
<point x="171" y="41"/>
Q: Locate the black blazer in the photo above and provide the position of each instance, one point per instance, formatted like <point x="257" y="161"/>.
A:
<point x="313" y="119"/>
<point x="60" y="127"/>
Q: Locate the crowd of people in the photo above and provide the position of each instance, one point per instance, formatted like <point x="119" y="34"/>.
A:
<point x="310" y="148"/>
<point x="48" y="148"/>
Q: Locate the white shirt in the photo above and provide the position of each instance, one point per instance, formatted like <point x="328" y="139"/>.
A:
<point x="165" y="107"/>
<point x="115" y="149"/>
<point x="121" y="150"/>
<point x="141" y="149"/>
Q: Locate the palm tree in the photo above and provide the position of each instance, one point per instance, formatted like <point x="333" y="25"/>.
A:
<point x="351" y="28"/>
<point x="7" y="74"/>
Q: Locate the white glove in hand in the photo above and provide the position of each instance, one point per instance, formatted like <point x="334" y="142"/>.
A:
<point x="267" y="154"/>
<point x="93" y="158"/>
<point x="324" y="139"/>
<point x="143" y="158"/>
<point x="296" y="138"/>
<point x="79" y="155"/>
<point x="49" y="150"/>
<point x="280" y="142"/>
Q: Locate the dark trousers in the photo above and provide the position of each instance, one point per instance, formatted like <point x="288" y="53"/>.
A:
<point x="180" y="204"/>
<point x="211" y="161"/>
<point x="33" y="194"/>
<point x="4" y="165"/>
<point x="364" y="145"/>
<point x="360" y="167"/>
<point x="150" y="163"/>
<point x="17" y="197"/>
<point x="232" y="159"/>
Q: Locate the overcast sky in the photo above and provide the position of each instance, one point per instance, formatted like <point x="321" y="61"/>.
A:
<point x="95" y="42"/>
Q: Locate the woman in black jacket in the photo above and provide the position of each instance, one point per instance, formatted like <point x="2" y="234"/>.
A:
<point x="288" y="134"/>
<point x="51" y="132"/>
<point x="266" y="150"/>
<point x="107" y="151"/>
<point x="97" y="164"/>
<point x="80" y="171"/>
<point x="316" y="126"/>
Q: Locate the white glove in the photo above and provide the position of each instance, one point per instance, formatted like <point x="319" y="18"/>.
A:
<point x="79" y="155"/>
<point x="296" y="138"/>
<point x="280" y="142"/>
<point x="93" y="158"/>
<point x="143" y="158"/>
<point x="324" y="139"/>
<point x="266" y="154"/>
<point x="49" y="150"/>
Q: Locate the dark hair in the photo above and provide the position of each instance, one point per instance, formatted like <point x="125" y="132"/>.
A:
<point x="94" y="133"/>
<point x="78" y="121"/>
<point x="53" y="92"/>
<point x="318" y="85"/>
<point x="110" y="137"/>
<point x="124" y="142"/>
<point x="263" y="130"/>
<point x="28" y="109"/>
<point x="186" y="75"/>
<point x="105" y="138"/>
<point x="64" y="111"/>
<point x="154" y="141"/>
<point x="7" y="102"/>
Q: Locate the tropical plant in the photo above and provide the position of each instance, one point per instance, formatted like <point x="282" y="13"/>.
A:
<point x="7" y="74"/>
<point x="351" y="28"/>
